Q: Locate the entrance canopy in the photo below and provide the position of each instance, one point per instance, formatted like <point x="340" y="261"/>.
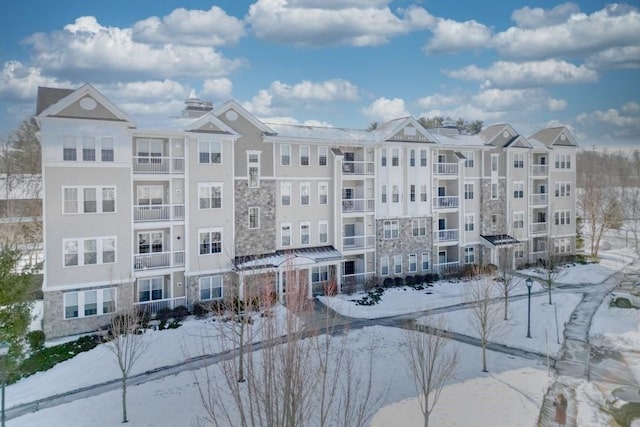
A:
<point x="293" y="257"/>
<point x="495" y="240"/>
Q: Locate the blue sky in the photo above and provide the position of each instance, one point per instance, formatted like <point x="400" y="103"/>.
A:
<point x="340" y="63"/>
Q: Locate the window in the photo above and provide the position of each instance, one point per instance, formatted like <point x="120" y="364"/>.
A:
<point x="562" y="246"/>
<point x="425" y="261"/>
<point x="412" y="192"/>
<point x="323" y="193"/>
<point x="210" y="287"/>
<point x="210" y="195"/>
<point x="383" y="194"/>
<point x="518" y="220"/>
<point x="494" y="222"/>
<point x="106" y="152"/>
<point x="149" y="150"/>
<point x="93" y="303"/>
<point x="85" y="200"/>
<point x="391" y="229"/>
<point x="210" y="241"/>
<point x="254" y="218"/>
<point x="253" y="169"/>
<point x="518" y="249"/>
<point x="494" y="191"/>
<point x="468" y="190"/>
<point x="285" y="155"/>
<point x="469" y="222"/>
<point x="88" y="149"/>
<point x="69" y="149"/>
<point x="285" y="193"/>
<point x="469" y="158"/>
<point x="304" y="155"/>
<point x="395" y="194"/>
<point x="423" y="158"/>
<point x="469" y="255"/>
<point x="494" y="163"/>
<point x="383" y="157"/>
<point x="285" y="234"/>
<point x="562" y="217"/>
<point x="150" y="289"/>
<point x="395" y="157"/>
<point x="563" y="189"/>
<point x="150" y="242"/>
<point x="518" y="160"/>
<point x="320" y="274"/>
<point x="397" y="264"/>
<point x="322" y="156"/>
<point x="413" y="263"/>
<point x="518" y="190"/>
<point x="305" y="189"/>
<point x="94" y="250"/>
<point x="304" y="233"/>
<point x="323" y="232"/>
<point x="384" y="266"/>
<point x="563" y="161"/>
<point x="209" y="152"/>
<point x="423" y="193"/>
<point x="419" y="227"/>
<point x="412" y="157"/>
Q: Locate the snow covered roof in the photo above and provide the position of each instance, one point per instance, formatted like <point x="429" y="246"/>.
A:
<point x="323" y="133"/>
<point x="291" y="257"/>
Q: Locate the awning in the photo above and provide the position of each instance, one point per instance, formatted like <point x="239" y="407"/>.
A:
<point x="293" y="257"/>
<point x="499" y="239"/>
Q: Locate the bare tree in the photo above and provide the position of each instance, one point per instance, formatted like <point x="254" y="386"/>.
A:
<point x="484" y="315"/>
<point x="126" y="340"/>
<point x="632" y="215"/>
<point x="506" y="274"/>
<point x="430" y="363"/>
<point x="550" y="267"/>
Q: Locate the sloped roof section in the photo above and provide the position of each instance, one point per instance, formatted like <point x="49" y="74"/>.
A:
<point x="293" y="257"/>
<point x="557" y="136"/>
<point x="499" y="135"/>
<point x="210" y="123"/>
<point x="239" y="109"/>
<point x="47" y="96"/>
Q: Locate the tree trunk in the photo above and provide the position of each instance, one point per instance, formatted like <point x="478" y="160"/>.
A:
<point x="124" y="399"/>
<point x="3" y="416"/>
<point x="506" y="305"/>
<point x="549" y="290"/>
<point x="484" y="356"/>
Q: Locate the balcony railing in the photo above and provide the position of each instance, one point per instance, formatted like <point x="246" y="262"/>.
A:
<point x="147" y="213"/>
<point x="444" y="267"/>
<point x="351" y="282"/>
<point x="536" y="256"/>
<point x="358" y="242"/>
<point x="447" y="235"/>
<point x="158" y="260"/>
<point x="446" y="202"/>
<point x="152" y="307"/>
<point x="445" y="168"/>
<point x="539" y="199"/>
<point x="358" y="205"/>
<point x="538" y="227"/>
<point x="539" y="169"/>
<point x="357" y="168"/>
<point x="158" y="165"/>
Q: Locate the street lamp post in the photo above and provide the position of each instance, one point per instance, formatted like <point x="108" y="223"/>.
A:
<point x="529" y="283"/>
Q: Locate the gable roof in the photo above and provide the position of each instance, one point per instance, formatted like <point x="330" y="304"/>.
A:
<point x="390" y="130"/>
<point x="210" y="123"/>
<point x="48" y="96"/>
<point x="233" y="104"/>
<point x="557" y="136"/>
<point x="499" y="135"/>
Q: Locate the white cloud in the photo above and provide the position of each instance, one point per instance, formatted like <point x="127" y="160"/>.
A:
<point x="287" y="120"/>
<point x="260" y="104"/>
<point x="217" y="88"/>
<point x="153" y="90"/>
<point x="313" y="23"/>
<point x="20" y="82"/>
<point x="537" y="17"/>
<point x="620" y="126"/>
<point x="440" y="100"/>
<point x="508" y="100"/>
<point x="454" y="36"/>
<point x="110" y="52"/>
<point x="383" y="109"/>
<point x="503" y="74"/>
<point x="211" y="27"/>
<point x="616" y="25"/>
<point x="616" y="57"/>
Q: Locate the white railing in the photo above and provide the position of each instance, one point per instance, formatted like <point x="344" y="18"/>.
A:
<point x="445" y="266"/>
<point x="158" y="260"/>
<point x="535" y="256"/>
<point x="358" y="242"/>
<point x="447" y="235"/>
<point x="446" y="202"/>
<point x="152" y="307"/>
<point x="539" y="169"/>
<point x="357" y="168"/>
<point x="538" y="227"/>
<point x="145" y="213"/>
<point x="358" y="205"/>
<point x="445" y="168"/>
<point x="539" y="199"/>
<point x="158" y="165"/>
<point x="349" y="281"/>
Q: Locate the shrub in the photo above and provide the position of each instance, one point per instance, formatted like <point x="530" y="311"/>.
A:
<point x="164" y="314"/>
<point x="36" y="340"/>
<point x="399" y="281"/>
<point x="330" y="288"/>
<point x="180" y="312"/>
<point x="388" y="282"/>
<point x="409" y="280"/>
<point x="202" y="309"/>
<point x="419" y="279"/>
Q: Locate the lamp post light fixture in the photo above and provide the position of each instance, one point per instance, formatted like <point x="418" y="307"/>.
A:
<point x="529" y="283"/>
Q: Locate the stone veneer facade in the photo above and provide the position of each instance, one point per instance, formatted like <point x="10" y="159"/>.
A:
<point x="264" y="198"/>
<point x="404" y="245"/>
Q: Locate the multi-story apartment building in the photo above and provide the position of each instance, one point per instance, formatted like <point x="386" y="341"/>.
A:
<point x="169" y="217"/>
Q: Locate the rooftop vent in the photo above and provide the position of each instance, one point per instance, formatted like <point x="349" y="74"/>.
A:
<point x="196" y="107"/>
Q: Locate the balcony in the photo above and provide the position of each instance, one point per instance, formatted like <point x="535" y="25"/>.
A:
<point x="358" y="242"/>
<point x="357" y="168"/>
<point x="446" y="202"/>
<point x="358" y="205"/>
<point x="536" y="256"/>
<point x="538" y="227"/>
<point x="445" y="168"/>
<point x="158" y="165"/>
<point x="152" y="307"/>
<point x="357" y="280"/>
<point x="539" y="170"/>
<point x="150" y="213"/>
<point x="539" y="199"/>
<point x="157" y="260"/>
<point x="445" y="267"/>
<point x="447" y="235"/>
